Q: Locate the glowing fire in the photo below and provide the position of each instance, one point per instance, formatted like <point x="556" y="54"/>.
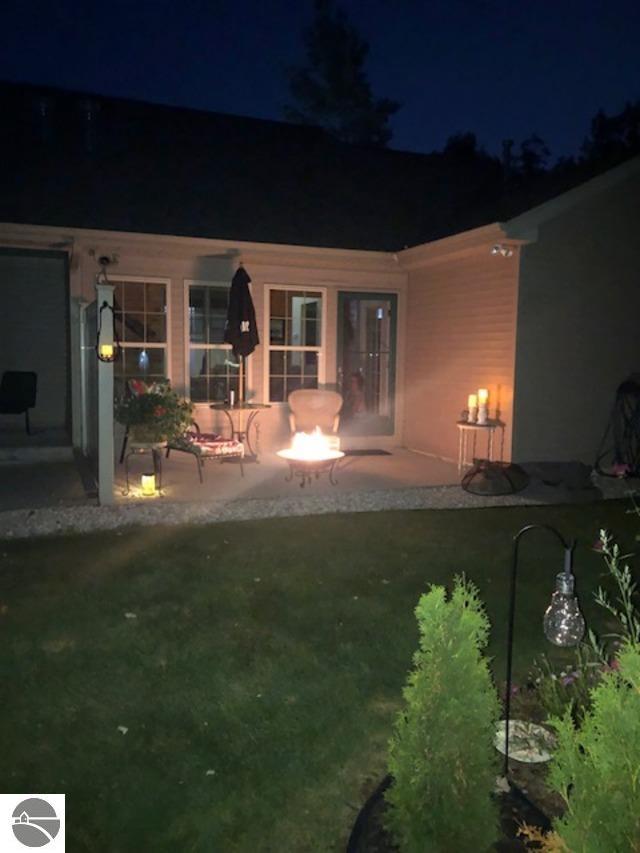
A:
<point x="311" y="446"/>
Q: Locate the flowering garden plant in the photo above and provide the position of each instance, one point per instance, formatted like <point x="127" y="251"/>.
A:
<point x="153" y="412"/>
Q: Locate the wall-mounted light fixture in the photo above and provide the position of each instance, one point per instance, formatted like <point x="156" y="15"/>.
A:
<point x="501" y="249"/>
<point x="110" y="350"/>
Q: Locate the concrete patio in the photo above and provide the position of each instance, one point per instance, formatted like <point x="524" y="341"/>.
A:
<point x="267" y="479"/>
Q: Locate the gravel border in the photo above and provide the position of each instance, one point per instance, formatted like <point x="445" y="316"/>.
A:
<point x="28" y="523"/>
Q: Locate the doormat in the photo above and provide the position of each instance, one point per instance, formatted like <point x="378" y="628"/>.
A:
<point x="367" y="453"/>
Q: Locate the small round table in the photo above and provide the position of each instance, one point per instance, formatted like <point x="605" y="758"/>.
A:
<point x="241" y="418"/>
<point x="466" y="429"/>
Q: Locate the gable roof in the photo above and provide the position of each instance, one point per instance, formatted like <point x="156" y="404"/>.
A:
<point x="85" y="161"/>
<point x="525" y="225"/>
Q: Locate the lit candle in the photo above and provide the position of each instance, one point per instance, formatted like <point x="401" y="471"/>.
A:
<point x="148" y="484"/>
<point x="106" y="351"/>
<point x="472" y="402"/>
<point x="483" y="396"/>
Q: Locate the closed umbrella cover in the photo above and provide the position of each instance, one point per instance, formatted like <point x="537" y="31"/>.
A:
<point x="241" y="330"/>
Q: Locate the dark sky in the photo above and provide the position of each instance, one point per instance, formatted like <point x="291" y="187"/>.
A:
<point x="502" y="69"/>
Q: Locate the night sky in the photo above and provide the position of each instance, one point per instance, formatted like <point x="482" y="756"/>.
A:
<point x="500" y="69"/>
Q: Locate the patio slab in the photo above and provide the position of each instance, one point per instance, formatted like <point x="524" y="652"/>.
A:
<point x="267" y="478"/>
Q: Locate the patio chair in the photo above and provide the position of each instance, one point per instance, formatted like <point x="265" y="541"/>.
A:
<point x="18" y="394"/>
<point x="207" y="445"/>
<point x="313" y="407"/>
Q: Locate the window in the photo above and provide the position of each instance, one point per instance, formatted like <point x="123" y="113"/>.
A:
<point x="213" y="373"/>
<point x="140" y="314"/>
<point x="295" y="341"/>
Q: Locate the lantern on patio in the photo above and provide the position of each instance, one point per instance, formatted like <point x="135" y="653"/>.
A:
<point x="148" y="485"/>
<point x="107" y="351"/>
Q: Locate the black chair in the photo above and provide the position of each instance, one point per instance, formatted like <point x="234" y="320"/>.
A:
<point x="18" y="393"/>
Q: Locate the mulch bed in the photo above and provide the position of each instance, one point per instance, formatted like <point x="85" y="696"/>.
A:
<point x="369" y="835"/>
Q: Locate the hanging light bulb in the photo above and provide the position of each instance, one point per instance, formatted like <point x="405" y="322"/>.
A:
<point x="563" y="621"/>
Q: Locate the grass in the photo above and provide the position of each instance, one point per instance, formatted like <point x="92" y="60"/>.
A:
<point x="260" y="676"/>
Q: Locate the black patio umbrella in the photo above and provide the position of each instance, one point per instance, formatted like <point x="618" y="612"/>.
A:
<point x="241" y="330"/>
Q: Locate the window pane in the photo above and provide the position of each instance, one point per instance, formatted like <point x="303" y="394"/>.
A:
<point x="156" y="328"/>
<point x="277" y="330"/>
<point x="293" y="363"/>
<point x="216" y="327"/>
<point x="133" y="327"/>
<point x="312" y="333"/>
<point x="278" y="303"/>
<point x="156" y="298"/>
<point x="276" y="389"/>
<point x="118" y="296"/>
<point x="311" y="364"/>
<point x="276" y="363"/>
<point x="199" y="389"/>
<point x="133" y="296"/>
<point x="217" y="362"/>
<point x="198" y="363"/>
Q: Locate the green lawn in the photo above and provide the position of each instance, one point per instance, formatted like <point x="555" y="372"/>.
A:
<point x="260" y="677"/>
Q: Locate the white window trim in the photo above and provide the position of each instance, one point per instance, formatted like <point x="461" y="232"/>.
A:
<point x="149" y="279"/>
<point x="199" y="282"/>
<point x="321" y="350"/>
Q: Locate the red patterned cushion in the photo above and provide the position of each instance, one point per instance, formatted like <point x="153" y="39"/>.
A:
<point x="212" y="444"/>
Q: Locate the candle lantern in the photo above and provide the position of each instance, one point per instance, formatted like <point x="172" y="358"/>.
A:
<point x="148" y="485"/>
<point x="109" y="350"/>
<point x="483" y="399"/>
<point x="472" y="407"/>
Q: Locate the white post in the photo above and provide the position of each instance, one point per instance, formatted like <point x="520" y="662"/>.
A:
<point x="104" y="294"/>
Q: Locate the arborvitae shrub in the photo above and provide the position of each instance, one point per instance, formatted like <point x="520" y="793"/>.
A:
<point x="442" y="756"/>
<point x="596" y="767"/>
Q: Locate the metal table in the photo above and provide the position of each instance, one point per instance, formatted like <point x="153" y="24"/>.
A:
<point x="241" y="418"/>
<point x="467" y="430"/>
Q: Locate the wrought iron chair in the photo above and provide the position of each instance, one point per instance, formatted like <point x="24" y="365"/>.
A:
<point x="207" y="445"/>
<point x="18" y="394"/>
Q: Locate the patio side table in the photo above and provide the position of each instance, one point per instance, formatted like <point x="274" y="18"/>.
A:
<point x="467" y="430"/>
<point x="241" y="418"/>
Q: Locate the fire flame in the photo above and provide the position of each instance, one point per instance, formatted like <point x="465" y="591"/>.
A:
<point x="311" y="445"/>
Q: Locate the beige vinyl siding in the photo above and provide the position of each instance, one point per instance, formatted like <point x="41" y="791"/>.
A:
<point x="460" y="337"/>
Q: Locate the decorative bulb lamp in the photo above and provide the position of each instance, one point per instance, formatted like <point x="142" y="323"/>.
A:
<point x="563" y="622"/>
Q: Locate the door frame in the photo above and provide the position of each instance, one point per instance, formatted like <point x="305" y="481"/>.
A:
<point x="392" y="296"/>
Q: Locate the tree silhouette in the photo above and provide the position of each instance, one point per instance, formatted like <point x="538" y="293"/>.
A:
<point x="332" y="89"/>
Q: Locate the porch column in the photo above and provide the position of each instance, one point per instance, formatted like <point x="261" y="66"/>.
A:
<point x="104" y="294"/>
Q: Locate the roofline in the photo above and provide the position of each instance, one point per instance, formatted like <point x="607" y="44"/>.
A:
<point x="525" y="226"/>
<point x="66" y="239"/>
<point x="456" y="245"/>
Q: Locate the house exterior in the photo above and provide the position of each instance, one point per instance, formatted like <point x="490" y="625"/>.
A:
<point x="545" y="321"/>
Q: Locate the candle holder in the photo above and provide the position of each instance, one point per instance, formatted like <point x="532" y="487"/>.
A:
<point x="482" y="415"/>
<point x="472" y="415"/>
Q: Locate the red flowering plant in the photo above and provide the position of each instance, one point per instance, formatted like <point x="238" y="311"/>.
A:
<point x="152" y="412"/>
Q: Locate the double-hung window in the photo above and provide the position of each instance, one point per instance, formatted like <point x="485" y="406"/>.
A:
<point x="140" y="316"/>
<point x="213" y="371"/>
<point x="296" y="318"/>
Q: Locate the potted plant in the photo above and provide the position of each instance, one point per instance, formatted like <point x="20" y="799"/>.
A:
<point x="153" y="413"/>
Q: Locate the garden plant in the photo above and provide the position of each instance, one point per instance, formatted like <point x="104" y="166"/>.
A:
<point x="442" y="758"/>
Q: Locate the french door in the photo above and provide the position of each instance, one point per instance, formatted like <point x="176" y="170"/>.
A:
<point x="367" y="362"/>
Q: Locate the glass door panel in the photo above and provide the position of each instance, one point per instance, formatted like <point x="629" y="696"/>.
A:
<point x="366" y="362"/>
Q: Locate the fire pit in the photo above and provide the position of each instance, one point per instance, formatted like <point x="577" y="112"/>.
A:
<point x="309" y="456"/>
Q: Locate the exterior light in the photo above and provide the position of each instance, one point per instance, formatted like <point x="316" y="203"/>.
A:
<point x="148" y="485"/>
<point x="108" y="350"/>
<point x="563" y="622"/>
